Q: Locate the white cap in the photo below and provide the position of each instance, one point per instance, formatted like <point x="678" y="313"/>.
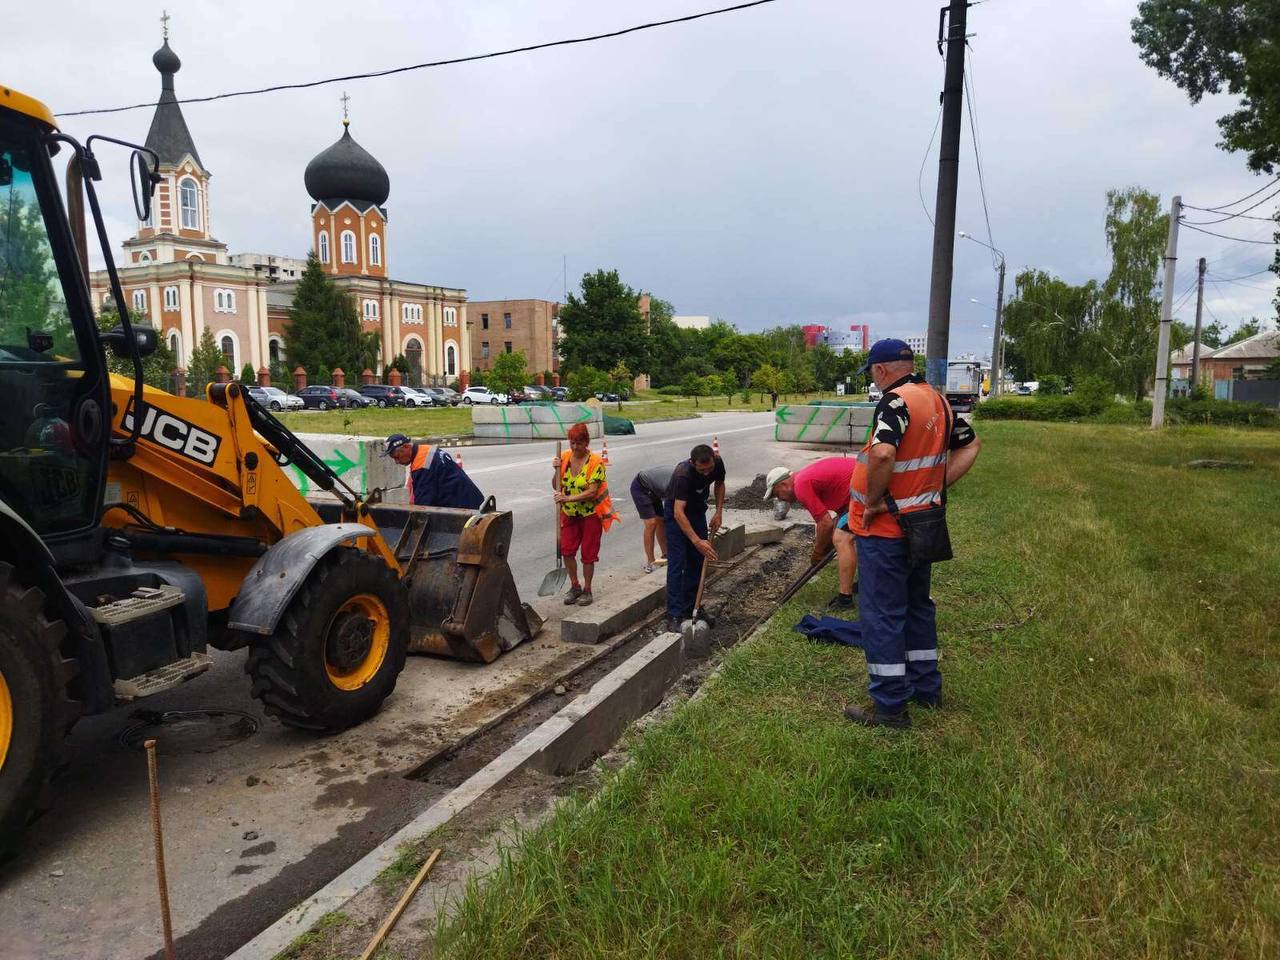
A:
<point x="775" y="477"/>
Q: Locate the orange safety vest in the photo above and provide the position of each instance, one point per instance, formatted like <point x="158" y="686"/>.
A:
<point x="920" y="468"/>
<point x="604" y="503"/>
<point x="421" y="458"/>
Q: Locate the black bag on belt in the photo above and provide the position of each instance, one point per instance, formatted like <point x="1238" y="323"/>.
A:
<point x="926" y="530"/>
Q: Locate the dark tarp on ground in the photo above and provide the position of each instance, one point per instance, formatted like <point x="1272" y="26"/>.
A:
<point x="618" y="426"/>
<point x="847" y="633"/>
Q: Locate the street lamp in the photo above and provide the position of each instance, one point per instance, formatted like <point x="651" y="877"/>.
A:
<point x="997" y="357"/>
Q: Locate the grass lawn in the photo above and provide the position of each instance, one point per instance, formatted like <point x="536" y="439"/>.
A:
<point x="1104" y="781"/>
<point x="456" y="421"/>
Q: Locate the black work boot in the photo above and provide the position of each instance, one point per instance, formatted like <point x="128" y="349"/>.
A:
<point x="841" y="601"/>
<point x="874" y="718"/>
<point x="929" y="703"/>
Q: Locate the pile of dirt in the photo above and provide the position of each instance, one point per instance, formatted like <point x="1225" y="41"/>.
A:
<point x="750" y="497"/>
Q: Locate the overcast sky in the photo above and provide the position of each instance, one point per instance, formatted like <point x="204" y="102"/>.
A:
<point x="761" y="166"/>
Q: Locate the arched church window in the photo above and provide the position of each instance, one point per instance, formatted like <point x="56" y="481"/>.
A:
<point x="451" y="359"/>
<point x="348" y="247"/>
<point x="375" y="250"/>
<point x="144" y="257"/>
<point x="140" y="300"/>
<point x="413" y="355"/>
<point x="175" y="344"/>
<point x="324" y="247"/>
<point x="228" y="348"/>
<point x="189" y="198"/>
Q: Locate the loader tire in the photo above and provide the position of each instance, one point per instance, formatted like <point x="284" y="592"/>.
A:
<point x="35" y="709"/>
<point x="338" y="649"/>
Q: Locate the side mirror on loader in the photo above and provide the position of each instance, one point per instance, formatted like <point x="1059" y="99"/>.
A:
<point x="118" y="342"/>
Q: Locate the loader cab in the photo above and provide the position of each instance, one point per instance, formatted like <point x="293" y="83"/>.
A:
<point x="54" y="398"/>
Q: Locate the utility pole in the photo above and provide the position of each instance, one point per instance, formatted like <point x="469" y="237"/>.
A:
<point x="1195" y="341"/>
<point x="1166" y="316"/>
<point x="997" y="346"/>
<point x="951" y="19"/>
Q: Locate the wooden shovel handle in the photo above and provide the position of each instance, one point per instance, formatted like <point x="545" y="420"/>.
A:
<point x="559" y="455"/>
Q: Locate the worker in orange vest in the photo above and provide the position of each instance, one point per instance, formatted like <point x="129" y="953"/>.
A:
<point x="434" y="478"/>
<point x="915" y="450"/>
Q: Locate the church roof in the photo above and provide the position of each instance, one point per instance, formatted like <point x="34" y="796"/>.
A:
<point x="347" y="171"/>
<point x="169" y="136"/>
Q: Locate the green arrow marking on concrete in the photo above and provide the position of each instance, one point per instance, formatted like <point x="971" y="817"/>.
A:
<point x="807" y="423"/>
<point x="533" y="424"/>
<point x="299" y="480"/>
<point x="505" y="425"/>
<point x="840" y="415"/>
<point x="782" y="414"/>
<point x="586" y="413"/>
<point x="340" y="463"/>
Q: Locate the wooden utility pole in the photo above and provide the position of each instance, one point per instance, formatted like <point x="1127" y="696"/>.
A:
<point x="1166" y="316"/>
<point x="997" y="346"/>
<point x="951" y="25"/>
<point x="1195" y="341"/>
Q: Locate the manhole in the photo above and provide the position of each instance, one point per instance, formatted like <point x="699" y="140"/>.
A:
<point x="188" y="731"/>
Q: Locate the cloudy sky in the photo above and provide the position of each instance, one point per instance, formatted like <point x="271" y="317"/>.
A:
<point x="762" y="166"/>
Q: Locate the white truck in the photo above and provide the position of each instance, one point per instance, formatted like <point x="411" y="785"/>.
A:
<point x="964" y="384"/>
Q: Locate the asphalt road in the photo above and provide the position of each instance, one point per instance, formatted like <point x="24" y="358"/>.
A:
<point x="520" y="478"/>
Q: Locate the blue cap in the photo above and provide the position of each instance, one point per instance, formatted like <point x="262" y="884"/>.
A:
<point x="395" y="442"/>
<point x="887" y="351"/>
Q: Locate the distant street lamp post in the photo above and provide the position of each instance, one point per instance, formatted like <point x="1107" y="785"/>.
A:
<point x="997" y="358"/>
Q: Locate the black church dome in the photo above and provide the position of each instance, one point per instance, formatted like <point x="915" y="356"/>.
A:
<point x="347" y="171"/>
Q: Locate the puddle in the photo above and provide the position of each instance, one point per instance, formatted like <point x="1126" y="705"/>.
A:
<point x="188" y="731"/>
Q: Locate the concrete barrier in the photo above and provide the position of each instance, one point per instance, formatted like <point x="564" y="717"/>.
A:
<point x="846" y="425"/>
<point x="358" y="462"/>
<point x="542" y="421"/>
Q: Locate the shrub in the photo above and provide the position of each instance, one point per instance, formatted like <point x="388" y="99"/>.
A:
<point x="1094" y="392"/>
<point x="671" y="390"/>
<point x="1222" y="412"/>
<point x="1052" y="385"/>
<point x="1119" y="413"/>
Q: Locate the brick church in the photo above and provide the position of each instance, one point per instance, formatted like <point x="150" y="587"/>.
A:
<point x="180" y="277"/>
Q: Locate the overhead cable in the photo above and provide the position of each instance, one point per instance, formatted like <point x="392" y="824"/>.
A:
<point x="433" y="63"/>
<point x="1189" y="226"/>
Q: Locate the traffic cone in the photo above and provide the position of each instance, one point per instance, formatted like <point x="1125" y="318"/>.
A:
<point x="605" y="454"/>
<point x="715" y="446"/>
<point x="457" y="458"/>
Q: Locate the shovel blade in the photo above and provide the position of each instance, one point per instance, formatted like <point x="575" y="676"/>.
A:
<point x="553" y="582"/>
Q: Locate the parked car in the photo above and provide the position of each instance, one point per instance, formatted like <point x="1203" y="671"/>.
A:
<point x="560" y="394"/>
<point x="434" y="395"/>
<point x="414" y="397"/>
<point x="451" y="396"/>
<point x="535" y="392"/>
<point x="473" y="395"/>
<point x="354" y="397"/>
<point x="383" y="394"/>
<point x="518" y="395"/>
<point x="607" y="397"/>
<point x="319" y="397"/>
<point x="275" y="399"/>
<point x="874" y="393"/>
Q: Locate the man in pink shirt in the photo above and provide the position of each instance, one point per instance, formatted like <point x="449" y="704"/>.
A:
<point x="822" y="488"/>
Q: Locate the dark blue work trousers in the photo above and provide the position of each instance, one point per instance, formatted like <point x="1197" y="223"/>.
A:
<point x="684" y="562"/>
<point x="899" y="631"/>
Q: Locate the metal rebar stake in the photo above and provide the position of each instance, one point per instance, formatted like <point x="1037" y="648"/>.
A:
<point x="158" y="836"/>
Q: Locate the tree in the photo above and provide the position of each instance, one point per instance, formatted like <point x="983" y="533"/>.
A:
<point x="768" y="379"/>
<point x="726" y="384"/>
<point x="1272" y="371"/>
<point x="620" y="381"/>
<point x="604" y="325"/>
<point x="398" y="362"/>
<point x="1136" y="233"/>
<point x="802" y="378"/>
<point x="206" y="358"/>
<point x="1207" y="46"/>
<point x="247" y="376"/>
<point x="694" y="386"/>
<point x="1053" y="323"/>
<point x="509" y="372"/>
<point x="324" y="375"/>
<point x="1249" y="328"/>
<point x="739" y="354"/>
<point x="324" y="327"/>
<point x="586" y="382"/>
<point x="1213" y="335"/>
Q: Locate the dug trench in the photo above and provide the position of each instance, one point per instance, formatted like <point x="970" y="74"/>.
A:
<point x="737" y="596"/>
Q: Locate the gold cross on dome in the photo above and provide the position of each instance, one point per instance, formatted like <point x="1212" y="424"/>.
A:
<point x="164" y="22"/>
<point x="345" y="100"/>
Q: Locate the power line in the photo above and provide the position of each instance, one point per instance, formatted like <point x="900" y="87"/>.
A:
<point x="1246" y="276"/>
<point x="923" y="160"/>
<point x="434" y="63"/>
<point x="977" y="155"/>
<point x="1241" y="214"/>
<point x="1220" y="208"/>
<point x="1223" y="236"/>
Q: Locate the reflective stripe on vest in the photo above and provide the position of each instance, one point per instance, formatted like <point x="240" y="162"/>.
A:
<point x="421" y="460"/>
<point x="919" y="469"/>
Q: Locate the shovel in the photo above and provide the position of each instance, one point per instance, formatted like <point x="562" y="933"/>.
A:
<point x="696" y="631"/>
<point x="555" y="579"/>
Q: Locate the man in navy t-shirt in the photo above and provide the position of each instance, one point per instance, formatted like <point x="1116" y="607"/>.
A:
<point x="684" y="513"/>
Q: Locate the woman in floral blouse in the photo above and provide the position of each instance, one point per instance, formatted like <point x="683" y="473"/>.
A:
<point x="585" y="510"/>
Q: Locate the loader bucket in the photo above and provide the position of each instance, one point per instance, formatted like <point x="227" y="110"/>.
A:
<point x="463" y="600"/>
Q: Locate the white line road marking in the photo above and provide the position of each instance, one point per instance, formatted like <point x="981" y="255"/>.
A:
<point x="623" y="447"/>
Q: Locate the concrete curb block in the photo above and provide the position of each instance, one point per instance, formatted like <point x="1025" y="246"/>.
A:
<point x="583" y="730"/>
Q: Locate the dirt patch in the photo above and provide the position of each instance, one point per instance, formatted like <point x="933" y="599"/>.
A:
<point x="750" y="497"/>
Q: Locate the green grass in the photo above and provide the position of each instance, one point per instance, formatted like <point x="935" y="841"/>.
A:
<point x="1103" y="782"/>
<point x="316" y="938"/>
<point x="456" y="421"/>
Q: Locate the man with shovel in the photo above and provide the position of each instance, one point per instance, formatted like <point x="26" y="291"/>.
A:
<point x="684" y="513"/>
